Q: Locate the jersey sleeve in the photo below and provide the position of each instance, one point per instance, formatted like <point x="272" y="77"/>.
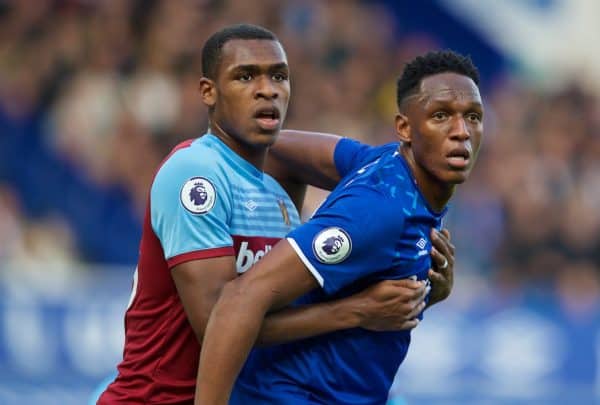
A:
<point x="190" y="210"/>
<point x="348" y="154"/>
<point x="351" y="237"/>
<point x="351" y="155"/>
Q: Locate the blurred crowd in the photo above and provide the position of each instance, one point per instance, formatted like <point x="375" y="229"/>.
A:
<point x="94" y="93"/>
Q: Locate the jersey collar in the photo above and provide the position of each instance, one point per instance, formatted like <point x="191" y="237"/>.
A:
<point x="214" y="141"/>
<point x="404" y="163"/>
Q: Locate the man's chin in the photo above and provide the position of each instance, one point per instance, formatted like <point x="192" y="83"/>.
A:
<point x="264" y="139"/>
<point x="268" y="136"/>
<point x="458" y="177"/>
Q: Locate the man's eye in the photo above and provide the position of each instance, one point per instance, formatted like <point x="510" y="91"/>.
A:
<point x="440" y="115"/>
<point x="279" y="77"/>
<point x="245" y="77"/>
<point x="474" y="117"/>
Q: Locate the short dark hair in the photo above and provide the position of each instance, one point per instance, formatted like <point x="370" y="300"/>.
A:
<point x="211" y="52"/>
<point x="431" y="64"/>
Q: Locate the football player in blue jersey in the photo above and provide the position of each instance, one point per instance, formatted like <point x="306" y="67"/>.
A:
<point x="212" y="212"/>
<point x="373" y="226"/>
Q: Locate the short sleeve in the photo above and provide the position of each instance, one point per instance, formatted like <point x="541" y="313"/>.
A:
<point x="351" y="237"/>
<point x="347" y="155"/>
<point x="190" y="209"/>
<point x="351" y="155"/>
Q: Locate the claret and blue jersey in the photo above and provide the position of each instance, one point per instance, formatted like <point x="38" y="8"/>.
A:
<point x="205" y="201"/>
<point x="225" y="205"/>
<point x="374" y="225"/>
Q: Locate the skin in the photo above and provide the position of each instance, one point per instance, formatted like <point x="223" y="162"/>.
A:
<point x="446" y="116"/>
<point x="253" y="75"/>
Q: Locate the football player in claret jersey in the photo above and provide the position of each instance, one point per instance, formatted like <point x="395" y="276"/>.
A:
<point x="212" y="213"/>
<point x="399" y="191"/>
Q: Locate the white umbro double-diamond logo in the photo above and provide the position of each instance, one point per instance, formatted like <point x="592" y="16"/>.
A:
<point x="251" y="205"/>
<point x="422" y="244"/>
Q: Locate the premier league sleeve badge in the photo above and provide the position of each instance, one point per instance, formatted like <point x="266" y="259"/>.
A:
<point x="198" y="195"/>
<point x="332" y="245"/>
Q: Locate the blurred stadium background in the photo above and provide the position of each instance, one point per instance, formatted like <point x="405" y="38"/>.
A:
<point x="94" y="92"/>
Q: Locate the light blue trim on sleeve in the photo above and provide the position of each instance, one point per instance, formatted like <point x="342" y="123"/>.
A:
<point x="190" y="203"/>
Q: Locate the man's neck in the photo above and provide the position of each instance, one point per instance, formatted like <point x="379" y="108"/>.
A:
<point x="255" y="155"/>
<point x="436" y="192"/>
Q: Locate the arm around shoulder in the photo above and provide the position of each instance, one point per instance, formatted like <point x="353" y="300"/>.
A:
<point x="304" y="157"/>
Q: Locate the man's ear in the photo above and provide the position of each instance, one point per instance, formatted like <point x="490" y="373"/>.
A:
<point x="403" y="128"/>
<point x="208" y="91"/>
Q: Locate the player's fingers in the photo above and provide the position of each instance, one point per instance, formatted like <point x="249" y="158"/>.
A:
<point x="407" y="283"/>
<point x="411" y="296"/>
<point x="439" y="243"/>
<point x="397" y="290"/>
<point x="425" y="292"/>
<point x="418" y="297"/>
<point x="441" y="262"/>
<point x="446" y="233"/>
<point x="442" y="243"/>
<point x="410" y="324"/>
<point x="435" y="276"/>
<point x="416" y="310"/>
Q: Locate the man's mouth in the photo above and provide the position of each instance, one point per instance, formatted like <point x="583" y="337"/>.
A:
<point x="459" y="158"/>
<point x="268" y="118"/>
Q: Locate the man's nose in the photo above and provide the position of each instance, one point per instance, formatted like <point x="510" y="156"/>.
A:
<point x="460" y="129"/>
<point x="267" y="88"/>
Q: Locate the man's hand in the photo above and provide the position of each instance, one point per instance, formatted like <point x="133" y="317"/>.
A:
<point x="442" y="275"/>
<point x="391" y="304"/>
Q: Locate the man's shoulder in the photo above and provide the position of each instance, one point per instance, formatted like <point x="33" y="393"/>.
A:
<point x="189" y="162"/>
<point x="382" y="176"/>
<point x="193" y="155"/>
<point x="366" y="152"/>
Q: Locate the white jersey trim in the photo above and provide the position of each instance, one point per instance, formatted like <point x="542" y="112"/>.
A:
<point x="306" y="262"/>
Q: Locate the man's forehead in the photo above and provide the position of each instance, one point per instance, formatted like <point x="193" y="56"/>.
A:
<point x="447" y="94"/>
<point x="260" y="52"/>
<point x="449" y="86"/>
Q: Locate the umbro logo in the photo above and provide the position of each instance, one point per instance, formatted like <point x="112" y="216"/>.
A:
<point x="251" y="205"/>
<point x="422" y="244"/>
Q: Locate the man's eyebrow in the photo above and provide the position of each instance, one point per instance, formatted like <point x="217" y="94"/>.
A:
<point x="448" y="100"/>
<point x="444" y="91"/>
<point x="279" y="66"/>
<point x="256" y="67"/>
<point x="442" y="96"/>
<point x="244" y="68"/>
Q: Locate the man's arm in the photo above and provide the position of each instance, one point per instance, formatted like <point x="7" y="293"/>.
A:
<point x="199" y="284"/>
<point x="385" y="306"/>
<point x="299" y="158"/>
<point x="305" y="157"/>
<point x="391" y="305"/>
<point x="275" y="281"/>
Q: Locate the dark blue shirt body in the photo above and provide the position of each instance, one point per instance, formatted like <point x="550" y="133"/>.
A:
<point x="374" y="225"/>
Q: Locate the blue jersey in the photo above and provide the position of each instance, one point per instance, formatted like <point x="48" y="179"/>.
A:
<point x="375" y="225"/>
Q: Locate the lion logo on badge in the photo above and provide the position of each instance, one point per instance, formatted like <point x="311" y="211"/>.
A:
<point x="198" y="195"/>
<point x="332" y="245"/>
